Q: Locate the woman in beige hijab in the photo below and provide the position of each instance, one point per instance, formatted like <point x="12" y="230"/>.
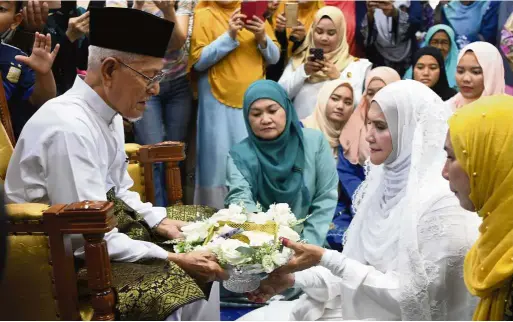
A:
<point x="333" y="109"/>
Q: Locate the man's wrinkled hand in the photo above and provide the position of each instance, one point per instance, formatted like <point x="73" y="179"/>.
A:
<point x="170" y="229"/>
<point x="202" y="266"/>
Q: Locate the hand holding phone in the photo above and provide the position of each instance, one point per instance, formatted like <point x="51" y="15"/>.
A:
<point x="235" y="24"/>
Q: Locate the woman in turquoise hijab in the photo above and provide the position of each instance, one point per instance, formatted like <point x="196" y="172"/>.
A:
<point x="280" y="162"/>
<point x="443" y="38"/>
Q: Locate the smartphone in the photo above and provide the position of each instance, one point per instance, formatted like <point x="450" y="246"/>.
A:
<point x="252" y="8"/>
<point x="317" y="53"/>
<point x="96" y="4"/>
<point x="291" y="14"/>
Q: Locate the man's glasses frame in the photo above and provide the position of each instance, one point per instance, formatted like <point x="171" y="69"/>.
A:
<point x="151" y="80"/>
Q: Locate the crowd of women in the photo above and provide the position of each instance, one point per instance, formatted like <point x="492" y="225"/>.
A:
<point x="344" y="141"/>
<point x="354" y="149"/>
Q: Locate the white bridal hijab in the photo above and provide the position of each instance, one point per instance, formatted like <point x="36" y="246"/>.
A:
<point x="391" y="201"/>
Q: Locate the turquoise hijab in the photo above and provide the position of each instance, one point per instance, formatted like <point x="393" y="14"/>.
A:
<point x="451" y="62"/>
<point x="273" y="168"/>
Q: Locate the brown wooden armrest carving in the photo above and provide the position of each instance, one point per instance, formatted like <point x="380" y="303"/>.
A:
<point x="92" y="219"/>
<point x="171" y="153"/>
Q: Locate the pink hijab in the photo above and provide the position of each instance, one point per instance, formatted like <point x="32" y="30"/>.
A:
<point x="352" y="137"/>
<point x="490" y="60"/>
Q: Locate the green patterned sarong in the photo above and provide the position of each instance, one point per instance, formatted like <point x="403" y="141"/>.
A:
<point x="149" y="290"/>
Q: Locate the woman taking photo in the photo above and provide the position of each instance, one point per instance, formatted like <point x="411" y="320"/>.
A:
<point x="306" y="73"/>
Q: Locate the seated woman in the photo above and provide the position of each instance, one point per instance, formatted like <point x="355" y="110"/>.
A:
<point x="442" y="37"/>
<point x="405" y="248"/>
<point x="479" y="168"/>
<point x="333" y="110"/>
<point x="429" y="69"/>
<point x="352" y="138"/>
<point x="480" y="72"/>
<point x="280" y="162"/>
<point x="304" y="75"/>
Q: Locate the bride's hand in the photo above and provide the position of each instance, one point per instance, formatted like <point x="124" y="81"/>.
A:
<point x="305" y="256"/>
<point x="274" y="284"/>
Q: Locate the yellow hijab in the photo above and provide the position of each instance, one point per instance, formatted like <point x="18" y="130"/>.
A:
<point x="231" y="76"/>
<point x="482" y="138"/>
<point x="305" y="14"/>
<point x="340" y="56"/>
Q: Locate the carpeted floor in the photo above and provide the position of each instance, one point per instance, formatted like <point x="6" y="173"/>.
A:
<point x="233" y="313"/>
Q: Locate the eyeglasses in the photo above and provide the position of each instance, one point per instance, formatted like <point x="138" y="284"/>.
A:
<point x="442" y="43"/>
<point x="151" y="80"/>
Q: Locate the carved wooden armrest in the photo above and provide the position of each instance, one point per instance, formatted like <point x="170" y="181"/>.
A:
<point x="169" y="152"/>
<point x="92" y="219"/>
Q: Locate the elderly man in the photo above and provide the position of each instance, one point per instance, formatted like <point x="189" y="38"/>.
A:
<point x="72" y="150"/>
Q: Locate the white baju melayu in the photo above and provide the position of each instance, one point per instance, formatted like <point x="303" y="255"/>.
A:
<point x="71" y="150"/>
<point x="404" y="252"/>
<point x="304" y="94"/>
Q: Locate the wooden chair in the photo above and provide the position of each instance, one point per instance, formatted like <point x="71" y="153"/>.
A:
<point x="40" y="278"/>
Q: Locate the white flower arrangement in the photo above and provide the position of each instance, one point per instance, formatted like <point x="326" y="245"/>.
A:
<point x="244" y="242"/>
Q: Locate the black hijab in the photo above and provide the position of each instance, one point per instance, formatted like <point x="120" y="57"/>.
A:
<point x="441" y="87"/>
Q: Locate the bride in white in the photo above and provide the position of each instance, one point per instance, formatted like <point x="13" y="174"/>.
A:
<point x="404" y="251"/>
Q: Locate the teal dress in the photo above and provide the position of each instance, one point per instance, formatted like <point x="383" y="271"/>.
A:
<point x="320" y="177"/>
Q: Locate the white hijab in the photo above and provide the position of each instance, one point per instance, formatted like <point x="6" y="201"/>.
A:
<point x="389" y="203"/>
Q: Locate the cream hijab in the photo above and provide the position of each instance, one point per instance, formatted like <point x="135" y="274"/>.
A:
<point x="318" y="119"/>
<point x="352" y="136"/>
<point x="490" y="60"/>
<point x="340" y="56"/>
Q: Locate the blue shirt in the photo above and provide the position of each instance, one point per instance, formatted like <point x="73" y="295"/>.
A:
<point x="18" y="80"/>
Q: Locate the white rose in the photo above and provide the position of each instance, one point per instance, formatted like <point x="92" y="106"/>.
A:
<point x="260" y="218"/>
<point x="235" y="209"/>
<point x="196" y="231"/>
<point x="258" y="238"/>
<point x="229" y="215"/>
<point x="289" y="233"/>
<point x="282" y="214"/>
<point x="280" y="259"/>
<point x="228" y="252"/>
<point x="268" y="264"/>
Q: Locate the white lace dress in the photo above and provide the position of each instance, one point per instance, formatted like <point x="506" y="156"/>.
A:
<point x="365" y="291"/>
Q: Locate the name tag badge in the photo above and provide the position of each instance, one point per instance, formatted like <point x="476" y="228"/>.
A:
<point x="13" y="75"/>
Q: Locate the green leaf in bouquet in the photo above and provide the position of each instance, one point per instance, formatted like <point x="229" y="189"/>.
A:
<point x="300" y="221"/>
<point x="246" y="251"/>
<point x="241" y="238"/>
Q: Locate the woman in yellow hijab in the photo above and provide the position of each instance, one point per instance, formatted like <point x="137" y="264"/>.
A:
<point x="303" y="77"/>
<point x="226" y="56"/>
<point x="479" y="168"/>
